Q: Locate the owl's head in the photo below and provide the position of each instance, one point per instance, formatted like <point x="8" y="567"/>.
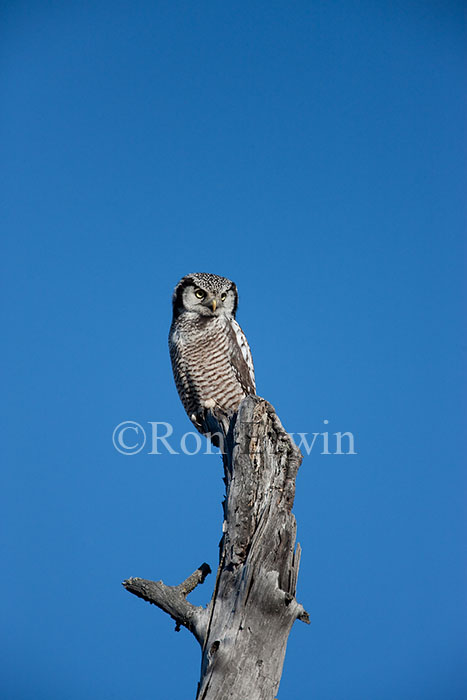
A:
<point x="206" y="295"/>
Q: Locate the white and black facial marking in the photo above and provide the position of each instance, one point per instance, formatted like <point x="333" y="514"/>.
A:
<point x="206" y="295"/>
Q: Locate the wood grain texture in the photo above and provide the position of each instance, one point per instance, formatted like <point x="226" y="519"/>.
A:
<point x="243" y="631"/>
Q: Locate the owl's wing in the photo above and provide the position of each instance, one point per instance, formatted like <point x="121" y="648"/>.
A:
<point x="242" y="360"/>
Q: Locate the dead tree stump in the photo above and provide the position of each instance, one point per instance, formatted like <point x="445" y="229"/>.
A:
<point x="243" y="631"/>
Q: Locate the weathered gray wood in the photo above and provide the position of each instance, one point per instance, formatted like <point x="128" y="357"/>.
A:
<point x="172" y="600"/>
<point x="243" y="631"/>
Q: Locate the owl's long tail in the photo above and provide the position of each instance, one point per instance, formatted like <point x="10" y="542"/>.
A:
<point x="217" y="426"/>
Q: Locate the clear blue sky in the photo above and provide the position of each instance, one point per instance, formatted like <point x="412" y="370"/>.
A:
<point x="313" y="152"/>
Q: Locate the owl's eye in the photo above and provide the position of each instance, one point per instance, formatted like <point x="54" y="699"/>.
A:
<point x="223" y="296"/>
<point x="199" y="294"/>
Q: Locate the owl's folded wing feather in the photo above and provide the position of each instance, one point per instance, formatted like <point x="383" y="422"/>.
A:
<point x="242" y="361"/>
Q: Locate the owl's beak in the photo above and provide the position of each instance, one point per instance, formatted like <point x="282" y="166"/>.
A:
<point x="210" y="303"/>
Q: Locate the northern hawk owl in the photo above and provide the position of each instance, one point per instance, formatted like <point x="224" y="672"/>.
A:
<point x="211" y="358"/>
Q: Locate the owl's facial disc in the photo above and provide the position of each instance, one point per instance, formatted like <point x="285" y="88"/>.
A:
<point x="206" y="295"/>
<point x="209" y="302"/>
